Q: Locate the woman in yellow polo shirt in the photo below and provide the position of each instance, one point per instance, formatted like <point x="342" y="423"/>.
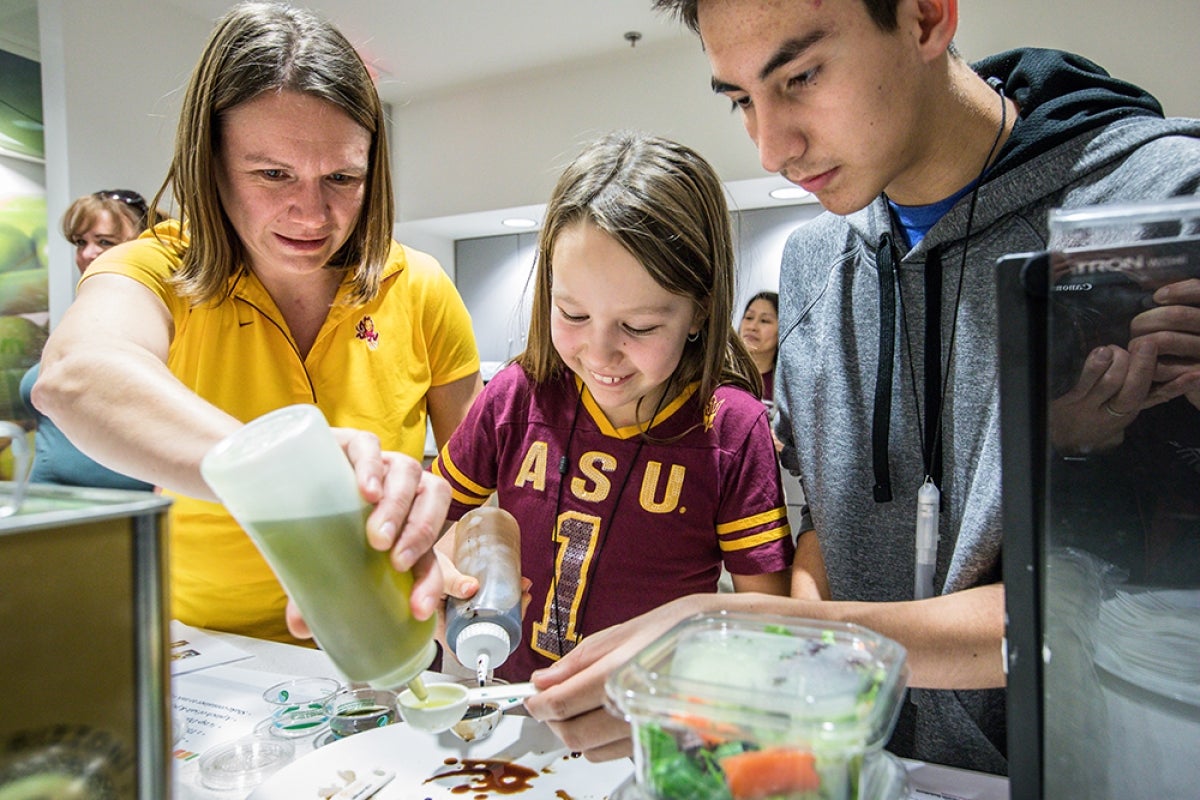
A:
<point x="280" y="285"/>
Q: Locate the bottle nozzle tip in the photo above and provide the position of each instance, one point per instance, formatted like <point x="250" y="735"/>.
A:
<point x="481" y="668"/>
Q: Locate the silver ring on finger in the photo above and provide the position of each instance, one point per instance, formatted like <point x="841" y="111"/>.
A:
<point x="1113" y="412"/>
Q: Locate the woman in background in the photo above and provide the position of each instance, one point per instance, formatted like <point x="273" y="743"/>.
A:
<point x="759" y="330"/>
<point x="98" y="221"/>
<point x="92" y="224"/>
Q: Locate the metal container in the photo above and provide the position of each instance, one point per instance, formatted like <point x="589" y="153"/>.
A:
<point x="83" y="643"/>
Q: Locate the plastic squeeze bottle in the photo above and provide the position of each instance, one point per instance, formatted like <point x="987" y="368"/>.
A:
<point x="287" y="482"/>
<point x="483" y="630"/>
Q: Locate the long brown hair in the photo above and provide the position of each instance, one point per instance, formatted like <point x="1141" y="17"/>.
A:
<point x="255" y="48"/>
<point x="665" y="205"/>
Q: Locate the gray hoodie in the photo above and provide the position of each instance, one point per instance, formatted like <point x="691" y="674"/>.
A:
<point x="1082" y="138"/>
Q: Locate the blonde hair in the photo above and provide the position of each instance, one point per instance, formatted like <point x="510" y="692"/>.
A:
<point x="665" y="205"/>
<point x="125" y="206"/>
<point x="256" y="48"/>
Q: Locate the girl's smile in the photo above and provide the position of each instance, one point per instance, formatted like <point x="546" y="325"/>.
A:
<point x="613" y="325"/>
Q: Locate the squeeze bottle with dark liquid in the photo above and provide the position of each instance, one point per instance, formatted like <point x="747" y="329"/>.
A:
<point x="483" y="630"/>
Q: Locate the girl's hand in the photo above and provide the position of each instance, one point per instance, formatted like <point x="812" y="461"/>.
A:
<point x="461" y="586"/>
<point x="571" y="691"/>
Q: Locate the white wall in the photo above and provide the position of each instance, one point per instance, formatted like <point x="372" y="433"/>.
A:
<point x="503" y="143"/>
<point x="1152" y="43"/>
<point x="759" y="237"/>
<point x="112" y="78"/>
<point x="500" y="144"/>
<point x="495" y="278"/>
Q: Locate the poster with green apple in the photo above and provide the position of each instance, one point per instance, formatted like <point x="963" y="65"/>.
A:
<point x="24" y="301"/>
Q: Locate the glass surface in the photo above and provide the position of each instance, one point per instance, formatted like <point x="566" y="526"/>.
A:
<point x="47" y="505"/>
<point x="245" y="763"/>
<point x="1121" y="555"/>
<point x="300" y="705"/>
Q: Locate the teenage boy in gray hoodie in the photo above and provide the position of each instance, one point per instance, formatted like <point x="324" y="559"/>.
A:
<point x="930" y="169"/>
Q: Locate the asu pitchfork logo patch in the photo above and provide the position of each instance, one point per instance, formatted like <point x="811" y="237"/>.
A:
<point x="365" y="330"/>
<point x="710" y="412"/>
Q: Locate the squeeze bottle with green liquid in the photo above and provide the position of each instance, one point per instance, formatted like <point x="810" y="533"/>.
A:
<point x="483" y="630"/>
<point x="287" y="482"/>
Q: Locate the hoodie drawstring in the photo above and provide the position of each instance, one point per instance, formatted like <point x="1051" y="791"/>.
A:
<point x="881" y="420"/>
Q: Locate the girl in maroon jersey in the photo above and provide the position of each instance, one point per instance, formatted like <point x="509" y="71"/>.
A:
<point x="628" y="439"/>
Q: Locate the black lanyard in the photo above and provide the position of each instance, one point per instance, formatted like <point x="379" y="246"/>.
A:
<point x="931" y="448"/>
<point x="935" y="378"/>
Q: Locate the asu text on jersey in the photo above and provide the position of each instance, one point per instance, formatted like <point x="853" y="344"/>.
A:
<point x="614" y="523"/>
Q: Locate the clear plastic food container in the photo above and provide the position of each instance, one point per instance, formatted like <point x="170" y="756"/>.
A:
<point x="743" y="707"/>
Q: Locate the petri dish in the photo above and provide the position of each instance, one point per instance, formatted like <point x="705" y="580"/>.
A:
<point x="352" y="711"/>
<point x="244" y="763"/>
<point x="299" y="705"/>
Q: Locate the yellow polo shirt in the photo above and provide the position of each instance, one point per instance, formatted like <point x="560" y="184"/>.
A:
<point x="369" y="368"/>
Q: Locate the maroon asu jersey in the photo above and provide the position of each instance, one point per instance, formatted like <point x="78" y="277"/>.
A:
<point x="614" y="524"/>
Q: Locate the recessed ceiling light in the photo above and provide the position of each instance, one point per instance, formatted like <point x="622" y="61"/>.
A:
<point x="519" y="222"/>
<point x="789" y="193"/>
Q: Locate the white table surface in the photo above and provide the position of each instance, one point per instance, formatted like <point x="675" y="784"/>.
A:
<point x="930" y="781"/>
<point x="270" y="658"/>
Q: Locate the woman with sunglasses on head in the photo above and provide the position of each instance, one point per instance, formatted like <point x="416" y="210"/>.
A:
<point x="92" y="224"/>
<point x="98" y="221"/>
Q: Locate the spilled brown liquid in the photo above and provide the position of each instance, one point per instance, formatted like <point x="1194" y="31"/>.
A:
<point x="484" y="776"/>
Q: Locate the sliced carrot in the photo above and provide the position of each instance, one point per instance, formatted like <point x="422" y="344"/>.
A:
<point x="762" y="773"/>
<point x="711" y="732"/>
<point x="692" y="720"/>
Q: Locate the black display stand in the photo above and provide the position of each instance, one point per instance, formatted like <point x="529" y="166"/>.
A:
<point x="1021" y="284"/>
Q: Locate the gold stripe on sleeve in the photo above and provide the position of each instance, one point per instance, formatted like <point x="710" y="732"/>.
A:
<point x="729" y="545"/>
<point x="456" y="475"/>
<point x="745" y="523"/>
